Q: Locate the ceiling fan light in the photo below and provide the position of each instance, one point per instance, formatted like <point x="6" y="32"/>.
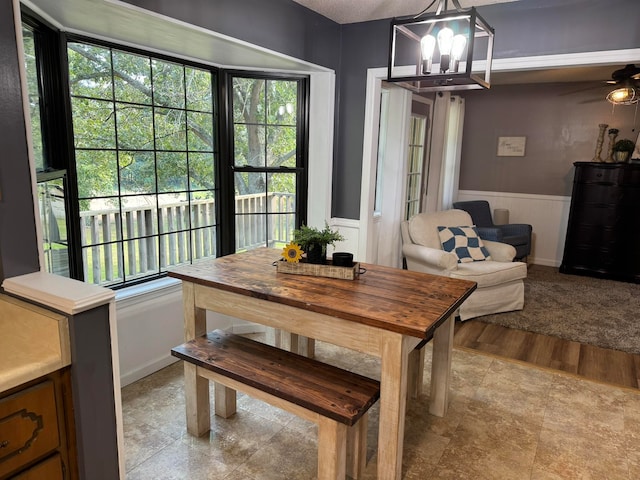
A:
<point x="623" y="96"/>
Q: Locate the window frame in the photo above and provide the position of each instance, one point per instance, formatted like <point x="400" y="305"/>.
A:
<point x="229" y="168"/>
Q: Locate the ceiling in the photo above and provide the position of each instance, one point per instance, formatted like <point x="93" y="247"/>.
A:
<point x="352" y="11"/>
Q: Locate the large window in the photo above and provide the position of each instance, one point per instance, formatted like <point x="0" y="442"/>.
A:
<point x="137" y="170"/>
<point x="145" y="159"/>
<point x="268" y="158"/>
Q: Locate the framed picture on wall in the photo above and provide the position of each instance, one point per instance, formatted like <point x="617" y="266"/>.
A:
<point x="511" y="146"/>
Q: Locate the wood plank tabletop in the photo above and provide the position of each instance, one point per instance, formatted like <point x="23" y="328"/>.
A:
<point x="411" y="303"/>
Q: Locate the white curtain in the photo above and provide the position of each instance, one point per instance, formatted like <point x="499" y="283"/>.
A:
<point x="450" y="173"/>
<point x="391" y="181"/>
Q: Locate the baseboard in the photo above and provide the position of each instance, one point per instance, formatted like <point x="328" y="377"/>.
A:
<point x="147" y="369"/>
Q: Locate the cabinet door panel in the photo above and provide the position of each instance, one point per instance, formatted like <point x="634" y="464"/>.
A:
<point x="49" y="469"/>
<point x="28" y="426"/>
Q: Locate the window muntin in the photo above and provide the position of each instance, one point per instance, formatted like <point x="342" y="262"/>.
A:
<point x="415" y="165"/>
<point x="144" y="131"/>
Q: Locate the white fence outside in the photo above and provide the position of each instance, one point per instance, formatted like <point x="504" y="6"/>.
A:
<point x="158" y="238"/>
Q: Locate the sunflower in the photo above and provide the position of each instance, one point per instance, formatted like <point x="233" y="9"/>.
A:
<point x="292" y="253"/>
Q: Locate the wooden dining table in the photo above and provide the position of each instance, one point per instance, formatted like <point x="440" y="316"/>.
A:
<point x="386" y="312"/>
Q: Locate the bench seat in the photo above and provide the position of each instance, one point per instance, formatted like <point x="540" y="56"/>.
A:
<point x="333" y="398"/>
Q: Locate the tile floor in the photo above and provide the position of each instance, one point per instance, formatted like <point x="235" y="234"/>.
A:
<point x="506" y="421"/>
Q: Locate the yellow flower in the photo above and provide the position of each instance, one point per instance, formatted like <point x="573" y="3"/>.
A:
<point x="292" y="253"/>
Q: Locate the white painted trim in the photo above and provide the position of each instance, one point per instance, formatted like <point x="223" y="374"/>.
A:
<point x="369" y="158"/>
<point x="63" y="294"/>
<point x="320" y="164"/>
<point x="26" y="111"/>
<point x="530" y="196"/>
<point x="308" y="66"/>
<point x="604" y="57"/>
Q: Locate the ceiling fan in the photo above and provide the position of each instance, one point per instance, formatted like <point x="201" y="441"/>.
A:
<point x="627" y="81"/>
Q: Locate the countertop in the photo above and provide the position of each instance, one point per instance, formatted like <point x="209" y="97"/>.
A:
<point x="34" y="342"/>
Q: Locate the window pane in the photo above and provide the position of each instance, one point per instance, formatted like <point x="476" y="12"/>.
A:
<point x="135" y="126"/>
<point x="203" y="242"/>
<point x="200" y="133"/>
<point x="172" y="172"/>
<point x="139" y="216"/>
<point x="281" y="146"/>
<point x="201" y="171"/>
<point x="248" y="143"/>
<point x="168" y="84"/>
<point x="282" y="192"/>
<point x="97" y="173"/>
<point x="90" y="71"/>
<point x="199" y="90"/>
<point x="34" y="98"/>
<point x="281" y="102"/>
<point x="137" y="172"/>
<point x="281" y="228"/>
<point x="250" y="232"/>
<point x="248" y="100"/>
<point x="170" y="129"/>
<point x="174" y="249"/>
<point x="93" y="123"/>
<point x="132" y="78"/>
<point x="174" y="213"/>
<point x="203" y="209"/>
<point x="54" y="226"/>
<point x="251" y="189"/>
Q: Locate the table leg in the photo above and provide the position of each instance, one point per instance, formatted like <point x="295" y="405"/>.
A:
<point x="196" y="388"/>
<point x="441" y="368"/>
<point x="393" y="396"/>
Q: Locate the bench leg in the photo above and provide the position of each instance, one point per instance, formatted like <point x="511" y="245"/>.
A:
<point x="196" y="391"/>
<point x="357" y="447"/>
<point x="225" y="400"/>
<point x="332" y="449"/>
<point x="415" y="373"/>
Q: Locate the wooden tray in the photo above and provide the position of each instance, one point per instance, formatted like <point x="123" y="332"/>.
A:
<point x="317" y="270"/>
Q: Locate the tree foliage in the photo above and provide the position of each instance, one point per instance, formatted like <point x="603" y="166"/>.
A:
<point x="138" y="105"/>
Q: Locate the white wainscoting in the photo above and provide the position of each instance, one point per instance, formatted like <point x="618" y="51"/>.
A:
<point x="547" y="214"/>
<point x="150" y="323"/>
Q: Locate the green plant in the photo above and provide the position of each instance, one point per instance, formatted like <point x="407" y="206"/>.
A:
<point x="624" y="145"/>
<point x="307" y="237"/>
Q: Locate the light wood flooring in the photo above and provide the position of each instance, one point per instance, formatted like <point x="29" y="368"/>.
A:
<point x="594" y="363"/>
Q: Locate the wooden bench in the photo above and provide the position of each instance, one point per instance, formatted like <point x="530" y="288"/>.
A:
<point x="335" y="399"/>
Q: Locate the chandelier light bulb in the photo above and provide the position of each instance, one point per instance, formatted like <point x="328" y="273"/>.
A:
<point x="445" y="43"/>
<point x="457" y="49"/>
<point x="427" y="46"/>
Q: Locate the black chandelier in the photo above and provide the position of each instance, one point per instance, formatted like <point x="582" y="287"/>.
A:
<point x="447" y="50"/>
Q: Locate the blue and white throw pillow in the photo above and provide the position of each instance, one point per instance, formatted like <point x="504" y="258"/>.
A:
<point x="464" y="242"/>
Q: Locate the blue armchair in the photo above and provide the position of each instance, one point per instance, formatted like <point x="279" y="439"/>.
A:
<point x="516" y="234"/>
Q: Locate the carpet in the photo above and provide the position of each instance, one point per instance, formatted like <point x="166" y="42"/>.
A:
<point x="604" y="313"/>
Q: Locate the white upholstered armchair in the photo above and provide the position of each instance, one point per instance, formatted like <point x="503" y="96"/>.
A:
<point x="499" y="279"/>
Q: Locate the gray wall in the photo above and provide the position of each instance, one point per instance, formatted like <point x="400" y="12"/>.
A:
<point x="560" y="123"/>
<point x="18" y="245"/>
